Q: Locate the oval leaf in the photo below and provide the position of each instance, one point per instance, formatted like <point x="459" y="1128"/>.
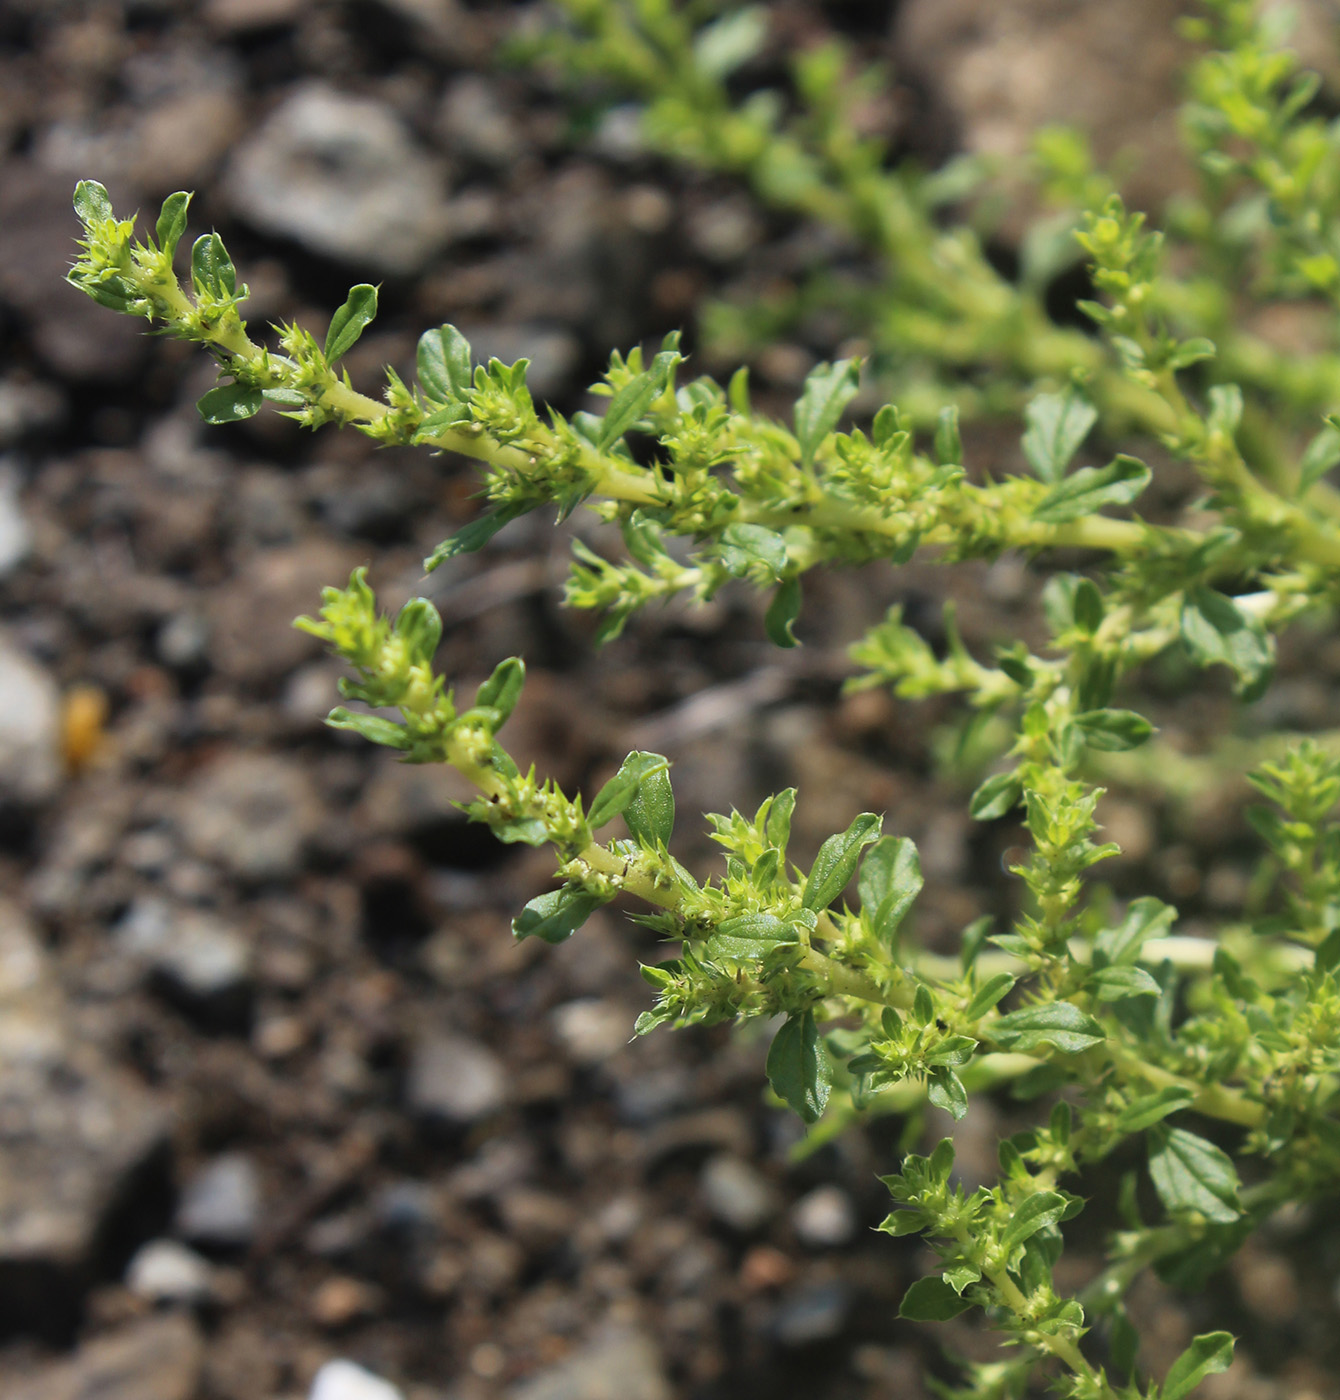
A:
<point x="836" y="862"/>
<point x="1058" y="1023"/>
<point x="798" y="1067"/>
<point x="347" y="324"/>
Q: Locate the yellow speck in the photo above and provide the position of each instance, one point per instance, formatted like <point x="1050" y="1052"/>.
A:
<point x="83" y="726"/>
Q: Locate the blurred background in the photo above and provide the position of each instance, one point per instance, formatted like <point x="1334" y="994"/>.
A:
<point x="276" y="1086"/>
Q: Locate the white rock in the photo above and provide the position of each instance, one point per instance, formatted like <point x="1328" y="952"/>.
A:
<point x="342" y="1380"/>
<point x="15" y="536"/>
<point x="736" y="1194"/>
<point x="165" y="1271"/>
<point x="824" y="1218"/>
<point x="30" y="765"/>
<point x="455" y="1079"/>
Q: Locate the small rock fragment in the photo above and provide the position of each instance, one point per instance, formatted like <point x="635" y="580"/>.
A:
<point x="813" y="1313"/>
<point x="616" y="1365"/>
<point x="165" y="1271"/>
<point x="824" y="1218"/>
<point x="221" y="1205"/>
<point x="455" y="1079"/>
<point x="29" y="730"/>
<point x="341" y="176"/>
<point x="158" y="1358"/>
<point x="736" y="1194"/>
<point x="342" y="1380"/>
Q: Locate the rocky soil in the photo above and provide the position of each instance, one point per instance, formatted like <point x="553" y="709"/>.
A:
<point x="283" y="1110"/>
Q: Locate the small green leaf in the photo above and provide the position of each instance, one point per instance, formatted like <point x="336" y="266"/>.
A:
<point x="1125" y="1342"/>
<point x="230" y="403"/>
<point x="1114" y="731"/>
<point x="995" y="797"/>
<point x="172" y="222"/>
<point x="1322" y="453"/>
<point x="890" y="880"/>
<point x="828" y="390"/>
<point x="749" y="936"/>
<point x="1191" y="352"/>
<point x="348" y="323"/>
<point x="613" y="799"/>
<point x="1191" y="1174"/>
<point x="92" y="203"/>
<point x="752" y="546"/>
<point x="782" y="613"/>
<point x="836" y="862"/>
<point x="778" y="828"/>
<point x="945" y="1090"/>
<point x="798" y="1067"/>
<point x="721" y="47"/>
<point x="1122" y="983"/>
<point x="1058" y="1023"/>
<point x="1092" y="488"/>
<point x="931" y="1300"/>
<point x="1057" y="426"/>
<point x="212" y="271"/>
<point x="1149" y="1109"/>
<point x="1036" y="1212"/>
<point x="1207" y="1355"/>
<point x="503" y="688"/>
<point x="948" y="444"/>
<point x="1216" y="630"/>
<point x="1145" y="919"/>
<point x="444" y="365"/>
<point x="556" y="916"/>
<point x="961" y="1275"/>
<point x="521" y="831"/>
<point x="371" y="727"/>
<point x="637" y="396"/>
<point x="993" y="990"/>
<point x="474" y="536"/>
<point x="650" y="813"/>
<point x="1087" y="603"/>
<point x="420" y="624"/>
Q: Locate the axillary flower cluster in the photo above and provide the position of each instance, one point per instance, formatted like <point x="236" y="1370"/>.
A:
<point x="1220" y="1059"/>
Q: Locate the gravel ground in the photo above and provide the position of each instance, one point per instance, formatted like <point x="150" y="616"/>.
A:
<point x="276" y="1088"/>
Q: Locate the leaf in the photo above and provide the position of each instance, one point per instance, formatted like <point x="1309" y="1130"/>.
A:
<point x="91" y="203"/>
<point x="230" y="403"/>
<point x="1057" y="426"/>
<point x="798" y="1067"/>
<point x="172" y="222"/>
<point x="503" y="688"/>
<point x="828" y="390"/>
<point x="474" y="536"/>
<point x="778" y="829"/>
<point x="212" y="271"/>
<point x="992" y="991"/>
<point x="747" y="546"/>
<point x="782" y="613"/>
<point x="420" y="624"/>
<point x="1216" y="630"/>
<point x="948" y="444"/>
<point x="371" y="727"/>
<point x="1092" y="488"/>
<point x="1192" y="1174"/>
<point x="1146" y="918"/>
<point x="443" y="362"/>
<point x="945" y="1090"/>
<point x="1037" y="1212"/>
<point x="1120" y="983"/>
<point x="650" y="812"/>
<point x="614" y="797"/>
<point x="1149" y="1109"/>
<point x="521" y="831"/>
<point x="1087" y="603"/>
<point x="931" y="1300"/>
<point x="995" y="797"/>
<point x="961" y="1275"/>
<point x="749" y="936"/>
<point x="1058" y="1023"/>
<point x="556" y="916"/>
<point x="1114" y="731"/>
<point x="1321" y="454"/>
<point x="836" y="862"/>
<point x="348" y="323"/>
<point x="721" y="47"/>
<point x="890" y="880"/>
<point x="637" y="396"/>
<point x="1208" y="1354"/>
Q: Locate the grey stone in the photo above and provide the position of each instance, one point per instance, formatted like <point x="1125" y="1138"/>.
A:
<point x="221" y="1204"/>
<point x="824" y="1218"/>
<point x="619" y="1364"/>
<point x="454" y="1079"/>
<point x="343" y="1380"/>
<point x="28" y="406"/>
<point x="158" y="1358"/>
<point x="474" y="123"/>
<point x="812" y="1313"/>
<point x="76" y="1136"/>
<point x="736" y="1194"/>
<point x="341" y="175"/>
<point x="202" y="963"/>
<point x="30" y="759"/>
<point x="592" y="1029"/>
<point x="253" y="814"/>
<point x="165" y="1271"/>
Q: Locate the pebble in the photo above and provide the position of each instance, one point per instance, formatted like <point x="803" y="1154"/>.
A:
<point x="158" y="1358"/>
<point x="343" y="1380"/>
<point x="15" y="536"/>
<point x="620" y="1364"/>
<point x="592" y="1029"/>
<point x="341" y="175"/>
<point x="202" y="959"/>
<point x="341" y="1300"/>
<point x="825" y="1218"/>
<point x="813" y="1313"/>
<point x="736" y="1194"/>
<point x="30" y="762"/>
<point x="454" y="1079"/>
<point x="251" y="813"/>
<point x="474" y="123"/>
<point x="166" y="1271"/>
<point x="221" y="1204"/>
<point x="28" y="406"/>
